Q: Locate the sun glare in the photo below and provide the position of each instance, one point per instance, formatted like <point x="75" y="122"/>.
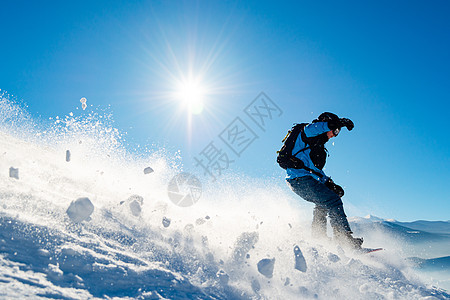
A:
<point x="191" y="93"/>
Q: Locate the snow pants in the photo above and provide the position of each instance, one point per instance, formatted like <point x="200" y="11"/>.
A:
<point x="327" y="203"/>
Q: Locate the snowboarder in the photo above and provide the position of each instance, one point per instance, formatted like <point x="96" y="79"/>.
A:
<point x="303" y="155"/>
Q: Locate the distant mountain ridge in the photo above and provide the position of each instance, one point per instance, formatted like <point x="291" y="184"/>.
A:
<point x="438" y="264"/>
<point x="419" y="238"/>
<point x="429" y="226"/>
<point x="439" y="227"/>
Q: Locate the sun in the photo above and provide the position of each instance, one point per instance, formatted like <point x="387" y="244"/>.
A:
<point x="191" y="94"/>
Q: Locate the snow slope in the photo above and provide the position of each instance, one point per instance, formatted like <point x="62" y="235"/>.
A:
<point x="424" y="243"/>
<point x="245" y="239"/>
<point x="428" y="241"/>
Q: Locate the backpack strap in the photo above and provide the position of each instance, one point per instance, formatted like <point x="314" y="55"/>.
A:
<point x="285" y="157"/>
<point x="301" y="150"/>
<point x="305" y="140"/>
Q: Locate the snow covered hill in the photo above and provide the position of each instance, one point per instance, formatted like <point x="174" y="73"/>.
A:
<point x="440" y="227"/>
<point x="425" y="243"/>
<point x="425" y="239"/>
<point x="94" y="224"/>
<point x="428" y="226"/>
<point x="435" y="264"/>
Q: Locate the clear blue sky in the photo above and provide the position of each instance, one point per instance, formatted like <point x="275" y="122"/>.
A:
<point x="384" y="64"/>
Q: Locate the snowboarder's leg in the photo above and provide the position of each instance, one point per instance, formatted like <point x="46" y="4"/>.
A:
<point x="338" y="218"/>
<point x="341" y="228"/>
<point x="339" y="223"/>
<point x="314" y="191"/>
<point x="319" y="223"/>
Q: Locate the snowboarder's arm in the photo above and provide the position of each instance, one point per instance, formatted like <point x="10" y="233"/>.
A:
<point x="315" y="129"/>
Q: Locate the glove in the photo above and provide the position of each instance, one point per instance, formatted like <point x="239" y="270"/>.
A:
<point x="347" y="123"/>
<point x="337" y="189"/>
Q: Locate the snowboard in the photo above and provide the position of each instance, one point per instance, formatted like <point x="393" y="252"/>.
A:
<point x="368" y="250"/>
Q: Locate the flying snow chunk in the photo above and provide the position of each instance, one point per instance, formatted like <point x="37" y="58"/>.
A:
<point x="300" y="262"/>
<point x="200" y="221"/>
<point x="166" y="222"/>
<point x="14" y="173"/>
<point x="223" y="277"/>
<point x="287" y="281"/>
<point x="148" y="170"/>
<point x="256" y="287"/>
<point x="333" y="257"/>
<point x="135" y="207"/>
<point x="244" y="243"/>
<point x="135" y="203"/>
<point x="80" y="210"/>
<point x="265" y="267"/>
<point x="83" y="103"/>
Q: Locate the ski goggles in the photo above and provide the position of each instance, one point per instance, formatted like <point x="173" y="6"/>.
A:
<point x="336" y="131"/>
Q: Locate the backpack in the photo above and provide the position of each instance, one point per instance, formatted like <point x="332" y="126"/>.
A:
<point x="287" y="160"/>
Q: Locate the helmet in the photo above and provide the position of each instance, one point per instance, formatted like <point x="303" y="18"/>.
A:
<point x="327" y="117"/>
<point x="334" y="122"/>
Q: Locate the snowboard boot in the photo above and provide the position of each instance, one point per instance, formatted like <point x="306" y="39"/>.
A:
<point x="346" y="240"/>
